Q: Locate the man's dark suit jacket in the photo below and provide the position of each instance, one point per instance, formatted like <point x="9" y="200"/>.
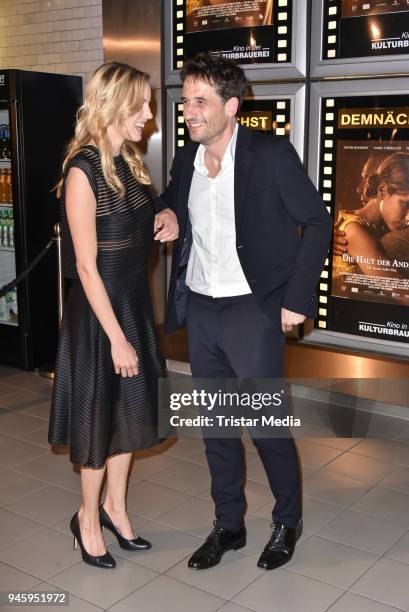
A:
<point x="273" y="197"/>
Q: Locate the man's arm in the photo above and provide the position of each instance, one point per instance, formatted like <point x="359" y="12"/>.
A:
<point x="167" y="199"/>
<point x="306" y="207"/>
<point x="166" y="226"/>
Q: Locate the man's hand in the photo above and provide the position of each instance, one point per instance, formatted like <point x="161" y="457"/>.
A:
<point x="340" y="242"/>
<point x="289" y="319"/>
<point x="166" y="226"/>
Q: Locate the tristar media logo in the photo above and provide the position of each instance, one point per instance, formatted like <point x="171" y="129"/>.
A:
<point x="2" y="79"/>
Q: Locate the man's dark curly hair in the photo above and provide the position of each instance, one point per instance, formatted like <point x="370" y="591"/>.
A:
<point x="225" y="75"/>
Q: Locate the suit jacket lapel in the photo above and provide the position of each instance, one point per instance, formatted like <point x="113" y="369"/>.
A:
<point x="185" y="183"/>
<point x="242" y="165"/>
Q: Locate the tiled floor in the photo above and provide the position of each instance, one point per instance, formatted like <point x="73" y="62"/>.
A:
<point x="353" y="555"/>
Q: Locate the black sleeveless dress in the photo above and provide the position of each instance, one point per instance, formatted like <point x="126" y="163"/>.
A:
<point x="98" y="412"/>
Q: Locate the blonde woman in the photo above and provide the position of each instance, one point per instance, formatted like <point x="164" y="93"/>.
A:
<point x="108" y="362"/>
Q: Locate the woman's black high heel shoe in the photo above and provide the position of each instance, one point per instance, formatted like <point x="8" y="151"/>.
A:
<point x="106" y="560"/>
<point x="135" y="544"/>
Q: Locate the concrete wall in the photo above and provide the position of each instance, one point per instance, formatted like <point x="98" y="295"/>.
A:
<point x="63" y="36"/>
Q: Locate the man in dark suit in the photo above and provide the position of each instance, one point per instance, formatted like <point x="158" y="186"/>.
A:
<point x="241" y="277"/>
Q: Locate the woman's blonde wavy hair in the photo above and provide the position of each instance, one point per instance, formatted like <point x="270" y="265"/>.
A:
<point x="111" y="85"/>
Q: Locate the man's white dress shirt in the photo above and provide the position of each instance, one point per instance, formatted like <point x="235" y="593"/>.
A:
<point x="214" y="268"/>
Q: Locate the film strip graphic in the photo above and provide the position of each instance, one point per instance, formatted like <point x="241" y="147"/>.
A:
<point x="327" y="190"/>
<point x="282" y="20"/>
<point x="330" y="28"/>
<point x="277" y="122"/>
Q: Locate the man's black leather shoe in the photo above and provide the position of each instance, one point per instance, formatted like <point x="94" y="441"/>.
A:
<point x="218" y="542"/>
<point x="280" y="547"/>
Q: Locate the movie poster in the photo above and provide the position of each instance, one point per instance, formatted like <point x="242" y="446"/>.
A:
<point x="237" y="29"/>
<point x="369" y="183"/>
<point x="373" y="28"/>
<point x="376" y="268"/>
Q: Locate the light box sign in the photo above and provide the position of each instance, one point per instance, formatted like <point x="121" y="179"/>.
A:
<point x="364" y="179"/>
<point x="365" y="28"/>
<point x="247" y="31"/>
<point x="270" y="116"/>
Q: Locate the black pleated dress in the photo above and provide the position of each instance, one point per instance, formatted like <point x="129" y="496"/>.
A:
<point x="98" y="412"/>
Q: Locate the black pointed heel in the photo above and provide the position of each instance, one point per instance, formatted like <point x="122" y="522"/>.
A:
<point x="106" y="560"/>
<point x="135" y="544"/>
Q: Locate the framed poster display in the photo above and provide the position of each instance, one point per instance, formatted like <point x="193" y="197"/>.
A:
<point x="359" y="160"/>
<point x="359" y="37"/>
<point x="266" y="37"/>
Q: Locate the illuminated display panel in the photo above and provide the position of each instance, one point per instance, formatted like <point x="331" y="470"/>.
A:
<point x="364" y="139"/>
<point x="365" y="28"/>
<point x="248" y="31"/>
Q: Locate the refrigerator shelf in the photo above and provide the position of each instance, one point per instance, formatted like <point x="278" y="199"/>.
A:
<point x="2" y="248"/>
<point x="12" y="323"/>
<point x="5" y="161"/>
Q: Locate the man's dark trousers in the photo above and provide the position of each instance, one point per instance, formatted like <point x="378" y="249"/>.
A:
<point x="231" y="337"/>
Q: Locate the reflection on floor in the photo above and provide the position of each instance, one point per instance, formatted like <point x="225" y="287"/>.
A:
<point x="353" y="555"/>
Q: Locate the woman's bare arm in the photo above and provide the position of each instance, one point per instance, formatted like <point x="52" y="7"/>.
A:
<point x="81" y="213"/>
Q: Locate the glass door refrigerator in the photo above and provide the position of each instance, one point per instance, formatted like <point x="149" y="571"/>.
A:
<point x="37" y="116"/>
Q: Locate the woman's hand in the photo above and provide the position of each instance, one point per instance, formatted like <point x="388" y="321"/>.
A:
<point x="124" y="358"/>
<point x="166" y="226"/>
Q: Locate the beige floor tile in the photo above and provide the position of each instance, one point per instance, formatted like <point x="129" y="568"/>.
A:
<point x="282" y="591"/>
<point x="195" y="516"/>
<point x="231" y="575"/>
<point x="184" y="447"/>
<point x="365" y="469"/>
<point x="387" y="582"/>
<point x="42" y="554"/>
<point x="41" y="409"/>
<point x="317" y="513"/>
<point x="30" y="381"/>
<point x="22" y="399"/>
<point x="363" y="531"/>
<point x="168" y="547"/>
<point x="186" y="477"/>
<point x="46" y="506"/>
<point x="168" y="595"/>
<point x="232" y="607"/>
<point x="49" y="467"/>
<point x="316" y="455"/>
<point x="400" y="551"/>
<point x="386" y="503"/>
<point x="14" y="528"/>
<point x="152" y="500"/>
<point x="330" y="562"/>
<point x="14" y="452"/>
<point x="16" y="424"/>
<point x="386" y="450"/>
<point x="12" y="579"/>
<point x="39" y="436"/>
<point x="147" y="463"/>
<point x="13" y="486"/>
<point x="398" y="480"/>
<point x="355" y="603"/>
<point x="318" y="435"/>
<point x="103" y="587"/>
<point x="334" y="488"/>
